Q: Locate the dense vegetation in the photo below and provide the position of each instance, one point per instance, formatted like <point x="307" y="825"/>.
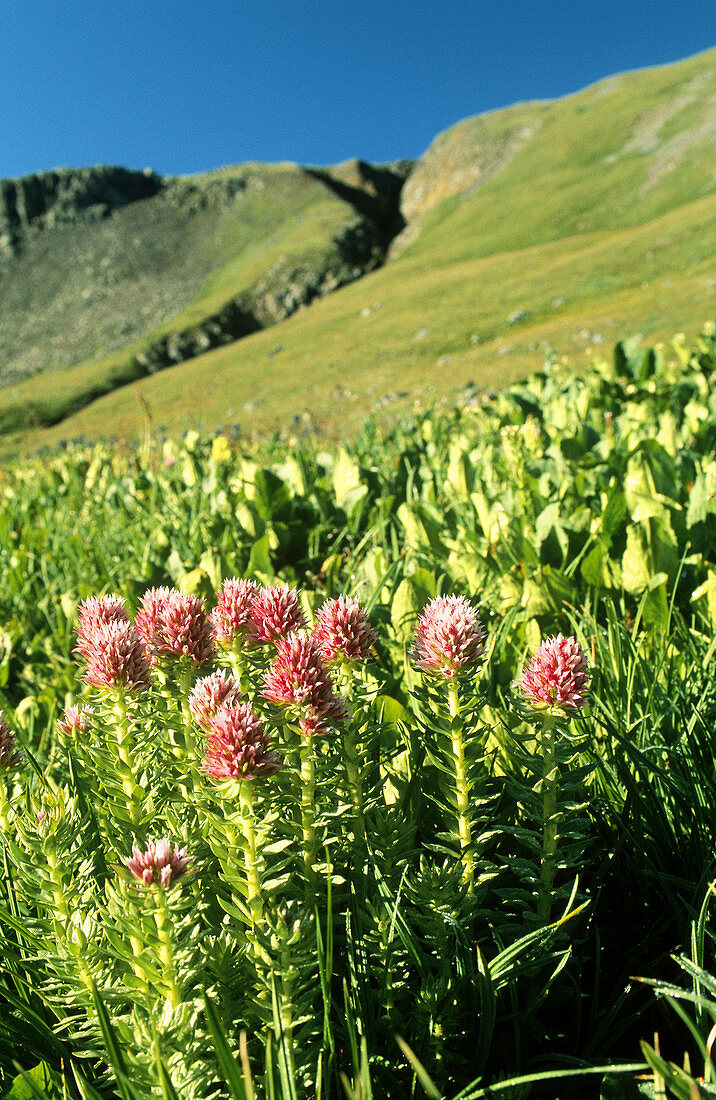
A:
<point x="401" y="914"/>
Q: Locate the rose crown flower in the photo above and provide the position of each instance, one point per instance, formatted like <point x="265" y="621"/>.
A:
<point x="74" y="720"/>
<point x="237" y="746"/>
<point x="147" y="617"/>
<point x="230" y="618"/>
<point x="342" y="632"/>
<point x="556" y="677"/>
<point x="182" y="629"/>
<point x="275" y="613"/>
<point x="448" y="637"/>
<point x="298" y="681"/>
<point x="9" y="753"/>
<point x="160" y="864"/>
<point x="116" y="658"/>
<point x="319" y="721"/>
<point x="210" y="694"/>
<point x="95" y="613"/>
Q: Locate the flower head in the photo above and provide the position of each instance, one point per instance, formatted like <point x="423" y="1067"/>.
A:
<point x="95" y="613"/>
<point x="9" y="752"/>
<point x="147" y="617"/>
<point x="74" y="720"/>
<point x="275" y="613"/>
<point x="449" y="637"/>
<point x="557" y="676"/>
<point x="342" y="631"/>
<point x="160" y="863"/>
<point x="210" y="694"/>
<point x="321" y="720"/>
<point x="237" y="746"/>
<point x="116" y="658"/>
<point x="230" y="617"/>
<point x="182" y="629"/>
<point x="297" y="679"/>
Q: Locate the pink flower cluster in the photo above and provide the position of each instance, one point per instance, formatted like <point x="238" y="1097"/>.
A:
<point x="246" y="614"/>
<point x="210" y="694"/>
<point x="174" y="624"/>
<point x="230" y="618"/>
<point x="237" y="747"/>
<point x="94" y="615"/>
<point x="160" y="864"/>
<point x="74" y="720"/>
<point x="169" y="623"/>
<point x="557" y="676"/>
<point x="448" y="637"/>
<point x="342" y="632"/>
<point x="9" y="754"/>
<point x="110" y="645"/>
<point x="298" y="681"/>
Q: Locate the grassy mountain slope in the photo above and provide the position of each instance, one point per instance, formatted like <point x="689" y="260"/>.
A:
<point x="556" y="225"/>
<point x="78" y="288"/>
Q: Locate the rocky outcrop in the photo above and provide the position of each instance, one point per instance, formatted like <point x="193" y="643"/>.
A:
<point x="461" y="159"/>
<point x="373" y="189"/>
<point x="294" y="282"/>
<point x="33" y="203"/>
<point x="87" y="267"/>
<point x="287" y="287"/>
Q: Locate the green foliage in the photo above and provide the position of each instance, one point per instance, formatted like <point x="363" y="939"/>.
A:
<point x="385" y="883"/>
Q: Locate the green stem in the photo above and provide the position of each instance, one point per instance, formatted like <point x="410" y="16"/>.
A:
<point x="166" y="948"/>
<point x="129" y="783"/>
<point x="253" y="881"/>
<point x="549" y="823"/>
<point x="461" y="789"/>
<point x="237" y="660"/>
<point x="71" y="934"/>
<point x="186" y="683"/>
<point x="4" y="808"/>
<point x="308" y="788"/>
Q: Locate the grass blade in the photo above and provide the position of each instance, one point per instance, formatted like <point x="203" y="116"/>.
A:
<point x="429" y="1086"/>
<point x="228" y="1065"/>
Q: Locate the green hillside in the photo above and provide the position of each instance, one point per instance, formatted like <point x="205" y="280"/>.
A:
<point x="543" y="228"/>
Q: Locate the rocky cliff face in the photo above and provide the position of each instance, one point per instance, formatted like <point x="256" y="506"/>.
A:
<point x="94" y="260"/>
<point x="33" y="203"/>
<point x="293" y="283"/>
<point x="285" y="288"/>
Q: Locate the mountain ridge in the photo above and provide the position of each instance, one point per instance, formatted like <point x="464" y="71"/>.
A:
<point x="626" y="152"/>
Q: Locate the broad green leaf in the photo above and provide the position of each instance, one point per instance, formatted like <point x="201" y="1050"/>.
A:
<point x="346" y="476"/>
<point x="260" y="564"/>
<point x="271" y="494"/>
<point x="637" y="569"/>
<point x="409" y="599"/>
<point x="460" y="474"/>
<point x="620" y="1087"/>
<point x="551" y="537"/>
<point x="40" y="1081"/>
<point x="707" y="590"/>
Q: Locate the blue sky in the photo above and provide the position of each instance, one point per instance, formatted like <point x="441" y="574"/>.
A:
<point x="187" y="85"/>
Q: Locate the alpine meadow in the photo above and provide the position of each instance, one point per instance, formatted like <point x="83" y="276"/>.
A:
<point x="358" y="617"/>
